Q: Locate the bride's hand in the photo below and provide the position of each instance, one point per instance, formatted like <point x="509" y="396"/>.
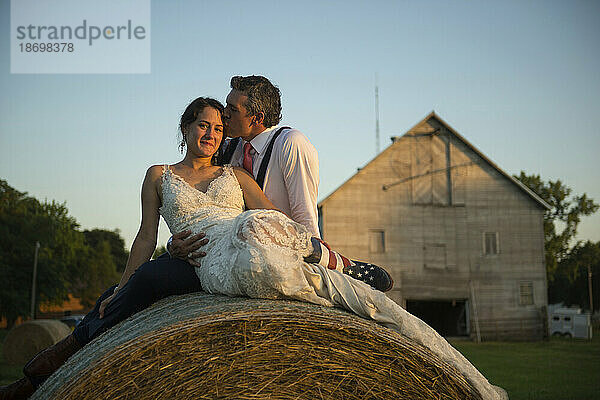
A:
<point x="185" y="247"/>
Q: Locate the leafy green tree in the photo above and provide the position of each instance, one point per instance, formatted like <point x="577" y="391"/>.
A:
<point x="570" y="284"/>
<point x="95" y="237"/>
<point x="14" y="299"/>
<point x="23" y="221"/>
<point x="69" y="261"/>
<point x="562" y="220"/>
<point x="98" y="263"/>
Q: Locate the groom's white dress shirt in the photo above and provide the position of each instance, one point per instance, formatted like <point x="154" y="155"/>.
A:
<point x="292" y="178"/>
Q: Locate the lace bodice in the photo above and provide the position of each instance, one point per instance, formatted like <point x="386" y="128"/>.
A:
<point x="185" y="206"/>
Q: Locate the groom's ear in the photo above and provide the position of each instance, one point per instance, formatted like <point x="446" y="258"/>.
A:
<point x="258" y="118"/>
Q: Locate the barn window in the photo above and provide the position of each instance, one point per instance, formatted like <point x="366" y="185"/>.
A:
<point x="526" y="293"/>
<point x="376" y="241"/>
<point x="490" y="243"/>
<point x="435" y="255"/>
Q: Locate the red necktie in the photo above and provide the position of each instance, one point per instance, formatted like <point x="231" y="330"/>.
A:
<point x="248" y="158"/>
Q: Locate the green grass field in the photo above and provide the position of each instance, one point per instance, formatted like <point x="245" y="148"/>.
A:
<point x="559" y="369"/>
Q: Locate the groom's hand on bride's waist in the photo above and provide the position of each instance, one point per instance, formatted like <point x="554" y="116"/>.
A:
<point x="187" y="247"/>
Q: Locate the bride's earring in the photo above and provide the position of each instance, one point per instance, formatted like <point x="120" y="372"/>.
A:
<point x="182" y="144"/>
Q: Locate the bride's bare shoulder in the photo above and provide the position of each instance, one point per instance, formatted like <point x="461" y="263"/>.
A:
<point x="154" y="172"/>
<point x="241" y="173"/>
<point x="245" y="180"/>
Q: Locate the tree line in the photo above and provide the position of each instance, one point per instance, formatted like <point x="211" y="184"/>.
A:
<point x="82" y="263"/>
<point x="568" y="261"/>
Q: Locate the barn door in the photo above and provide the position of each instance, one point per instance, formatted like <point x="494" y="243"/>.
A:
<point x="430" y="169"/>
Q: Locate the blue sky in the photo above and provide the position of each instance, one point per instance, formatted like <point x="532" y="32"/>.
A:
<point x="520" y="80"/>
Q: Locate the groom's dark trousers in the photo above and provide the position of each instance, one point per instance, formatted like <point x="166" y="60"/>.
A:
<point x="152" y="281"/>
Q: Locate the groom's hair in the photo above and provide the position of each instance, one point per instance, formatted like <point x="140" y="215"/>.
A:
<point x="263" y="97"/>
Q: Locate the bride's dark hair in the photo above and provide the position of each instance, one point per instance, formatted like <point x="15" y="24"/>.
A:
<point x="191" y="113"/>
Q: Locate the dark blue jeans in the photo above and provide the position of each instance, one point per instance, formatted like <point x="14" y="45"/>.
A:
<point x="152" y="281"/>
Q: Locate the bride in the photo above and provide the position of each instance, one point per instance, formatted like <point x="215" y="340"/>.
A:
<point x="258" y="253"/>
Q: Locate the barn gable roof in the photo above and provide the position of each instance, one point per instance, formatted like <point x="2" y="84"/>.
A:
<point x="432" y="114"/>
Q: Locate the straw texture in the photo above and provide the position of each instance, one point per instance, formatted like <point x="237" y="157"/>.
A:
<point x="26" y="340"/>
<point x="212" y="347"/>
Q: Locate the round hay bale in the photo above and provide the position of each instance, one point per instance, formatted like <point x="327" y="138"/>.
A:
<point x="212" y="347"/>
<point x="26" y="340"/>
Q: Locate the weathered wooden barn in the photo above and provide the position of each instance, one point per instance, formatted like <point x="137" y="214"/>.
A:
<point x="463" y="239"/>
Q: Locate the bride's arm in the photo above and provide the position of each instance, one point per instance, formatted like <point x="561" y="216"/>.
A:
<point x="253" y="196"/>
<point x="145" y="241"/>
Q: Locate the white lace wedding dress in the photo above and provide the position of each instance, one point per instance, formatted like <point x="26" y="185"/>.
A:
<point x="255" y="253"/>
<point x="259" y="253"/>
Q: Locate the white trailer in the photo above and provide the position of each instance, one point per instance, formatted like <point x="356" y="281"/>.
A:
<point x="570" y="322"/>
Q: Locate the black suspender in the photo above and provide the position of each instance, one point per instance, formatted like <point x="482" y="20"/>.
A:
<point x="262" y="171"/>
<point x="260" y="179"/>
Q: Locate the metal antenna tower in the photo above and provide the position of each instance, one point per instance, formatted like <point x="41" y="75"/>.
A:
<point x="376" y="116"/>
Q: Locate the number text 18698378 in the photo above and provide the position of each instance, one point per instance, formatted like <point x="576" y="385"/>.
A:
<point x="47" y="47"/>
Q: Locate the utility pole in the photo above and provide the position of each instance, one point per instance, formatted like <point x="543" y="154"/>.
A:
<point x="590" y="289"/>
<point x="35" y="260"/>
<point x="477" y="331"/>
<point x="376" y="116"/>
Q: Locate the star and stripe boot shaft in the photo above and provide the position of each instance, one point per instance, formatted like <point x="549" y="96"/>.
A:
<point x="371" y="274"/>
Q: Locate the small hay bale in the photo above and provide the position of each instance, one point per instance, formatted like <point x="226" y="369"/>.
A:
<point x="201" y="346"/>
<point x="26" y="340"/>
